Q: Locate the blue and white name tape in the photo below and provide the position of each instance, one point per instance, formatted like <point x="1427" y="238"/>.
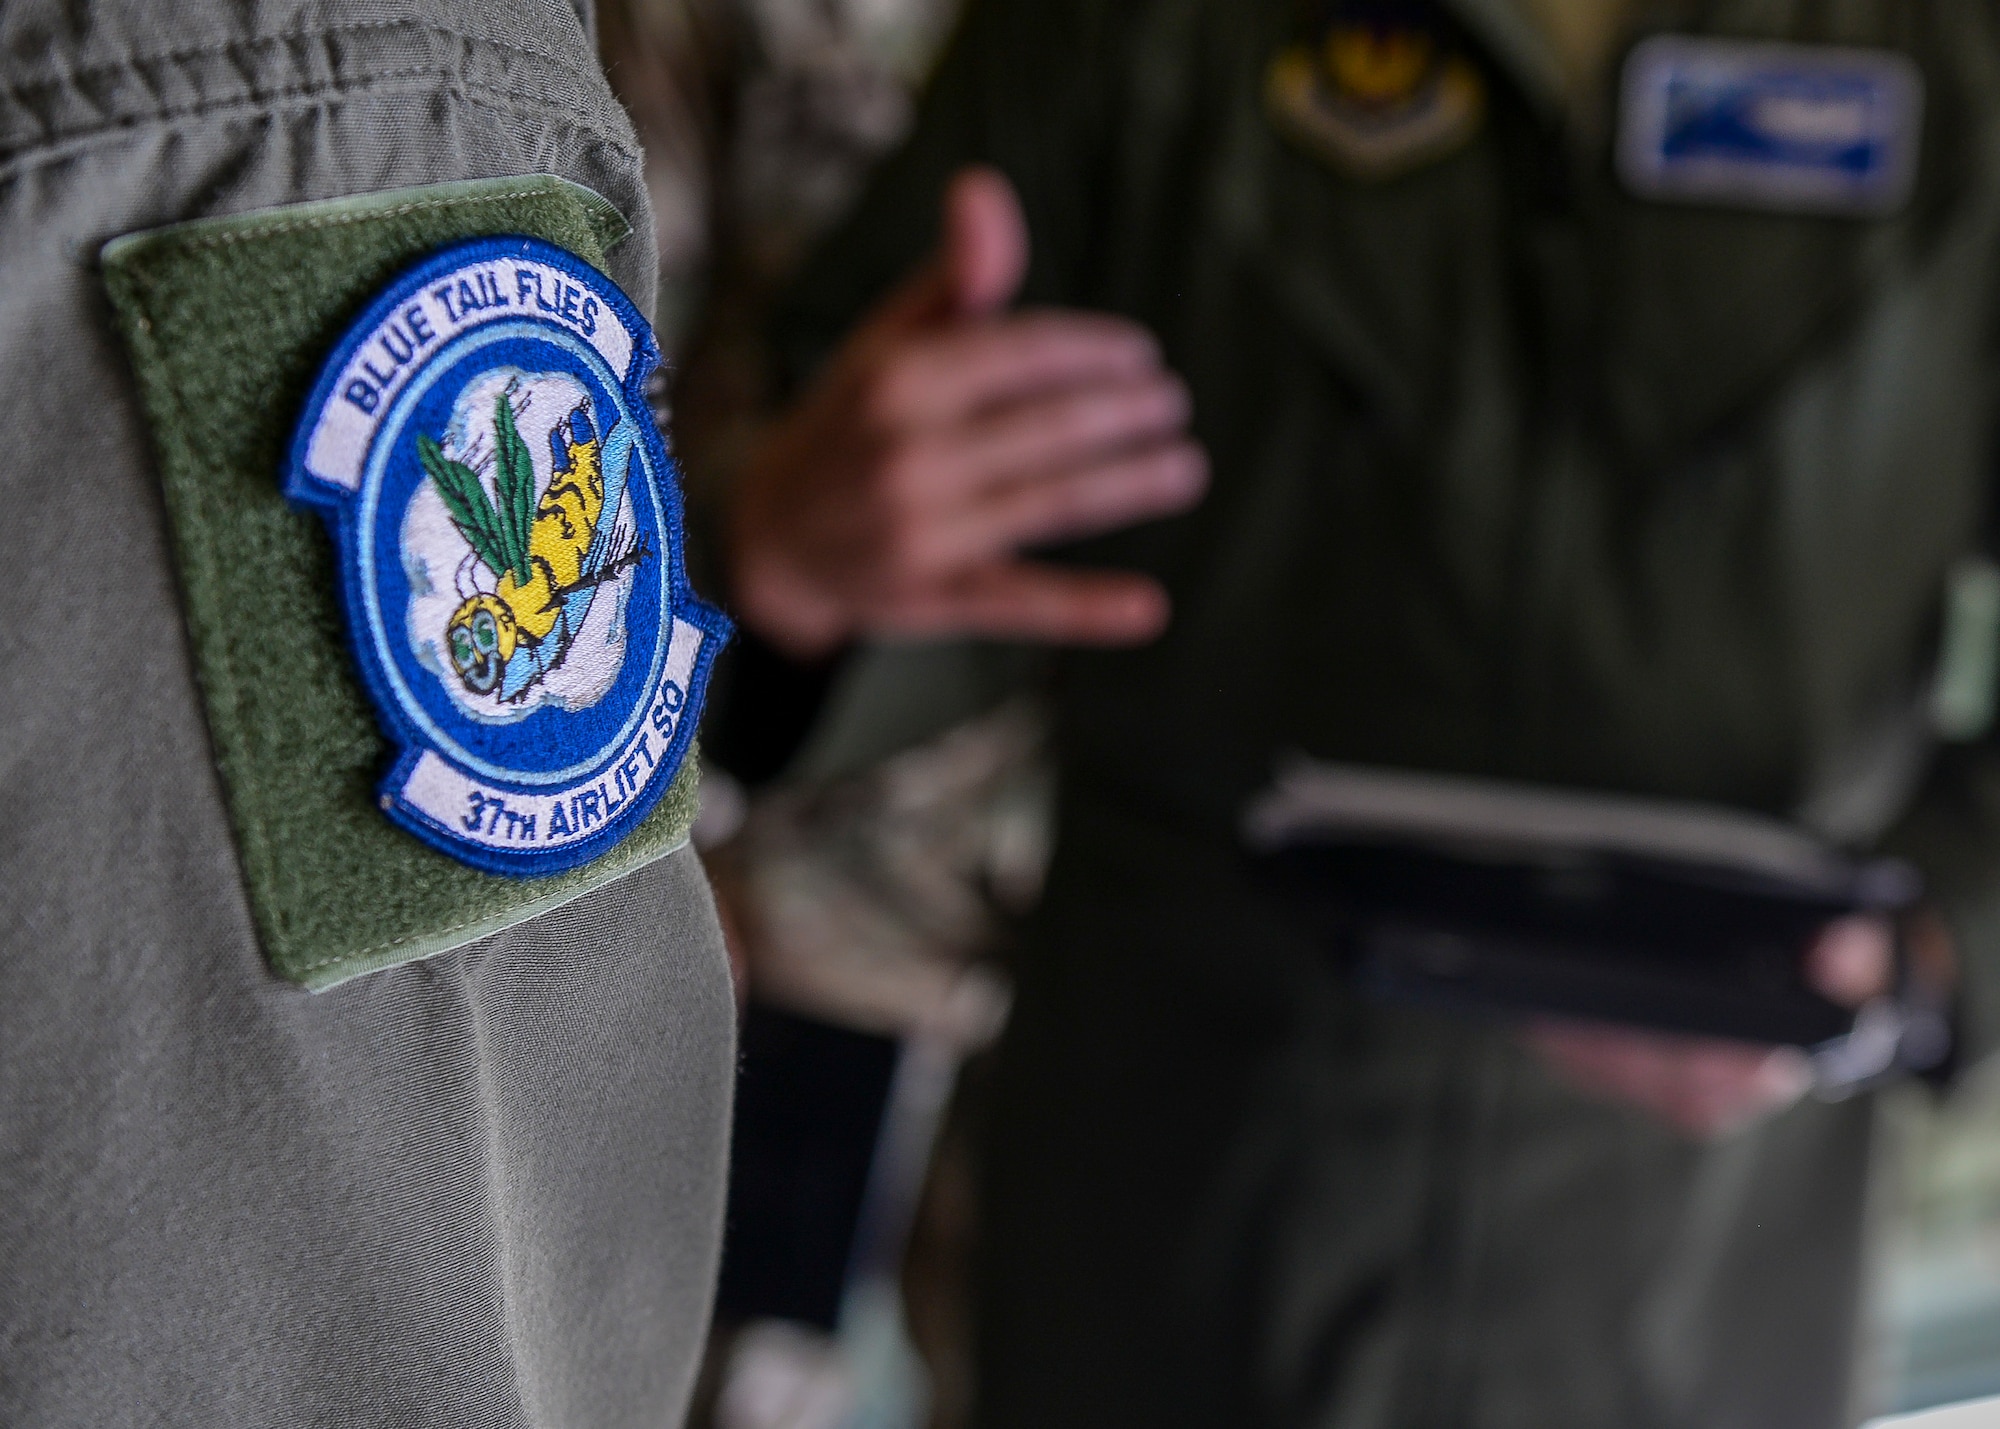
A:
<point x="1783" y="127"/>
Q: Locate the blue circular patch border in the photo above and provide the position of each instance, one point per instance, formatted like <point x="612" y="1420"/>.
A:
<point x="343" y="509"/>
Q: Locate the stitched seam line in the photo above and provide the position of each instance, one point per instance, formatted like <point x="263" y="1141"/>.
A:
<point x="316" y="964"/>
<point x="335" y="220"/>
<point x="132" y="63"/>
<point x="471" y="89"/>
<point x="611" y="875"/>
<point x="61" y="78"/>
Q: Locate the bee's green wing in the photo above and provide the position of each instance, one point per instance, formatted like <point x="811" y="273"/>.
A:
<point x="466" y="499"/>
<point x="514" y="485"/>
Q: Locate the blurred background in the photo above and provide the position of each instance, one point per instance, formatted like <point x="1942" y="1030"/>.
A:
<point x="870" y="892"/>
<point x="1938" y="1295"/>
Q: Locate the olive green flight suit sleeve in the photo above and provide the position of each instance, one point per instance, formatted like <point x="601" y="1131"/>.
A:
<point x="480" y="1189"/>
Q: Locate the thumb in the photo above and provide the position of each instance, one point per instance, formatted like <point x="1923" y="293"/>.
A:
<point x="985" y="247"/>
<point x="981" y="256"/>
<point x="1853" y="959"/>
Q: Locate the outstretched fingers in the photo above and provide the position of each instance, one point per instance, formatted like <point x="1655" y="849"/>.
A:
<point x="1104" y="496"/>
<point x="942" y="379"/>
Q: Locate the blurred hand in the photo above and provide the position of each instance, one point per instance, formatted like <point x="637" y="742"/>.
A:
<point x="943" y="438"/>
<point x="1706" y="1087"/>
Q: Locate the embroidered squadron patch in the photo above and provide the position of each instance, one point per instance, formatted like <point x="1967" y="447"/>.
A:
<point x="509" y="533"/>
<point x="1378" y="91"/>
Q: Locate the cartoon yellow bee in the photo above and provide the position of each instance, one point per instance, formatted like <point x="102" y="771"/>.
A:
<point x="549" y="555"/>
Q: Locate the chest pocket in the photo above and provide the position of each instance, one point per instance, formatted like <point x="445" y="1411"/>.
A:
<point x="1701" y="309"/>
<point x="1667" y="319"/>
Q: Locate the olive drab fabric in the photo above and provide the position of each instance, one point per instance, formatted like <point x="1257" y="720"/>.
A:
<point x="1515" y="474"/>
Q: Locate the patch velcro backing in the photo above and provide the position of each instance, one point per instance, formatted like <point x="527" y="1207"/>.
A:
<point x="227" y="322"/>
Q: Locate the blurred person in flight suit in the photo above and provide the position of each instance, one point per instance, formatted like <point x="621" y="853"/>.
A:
<point x="1541" y="440"/>
<point x="308" y="1117"/>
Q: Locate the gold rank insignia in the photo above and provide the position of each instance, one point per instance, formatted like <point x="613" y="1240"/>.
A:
<point x="1378" y="91"/>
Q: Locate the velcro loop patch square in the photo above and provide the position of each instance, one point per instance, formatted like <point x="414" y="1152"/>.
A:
<point x="227" y="321"/>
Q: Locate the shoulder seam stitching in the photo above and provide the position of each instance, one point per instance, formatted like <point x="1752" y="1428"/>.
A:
<point x="255" y="42"/>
